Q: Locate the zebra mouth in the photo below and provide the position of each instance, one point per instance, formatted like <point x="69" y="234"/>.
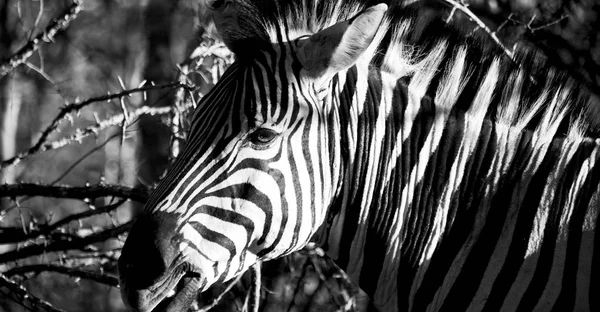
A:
<point x="181" y="296"/>
<point x="176" y="291"/>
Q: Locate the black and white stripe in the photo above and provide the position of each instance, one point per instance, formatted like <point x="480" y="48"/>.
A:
<point x="447" y="177"/>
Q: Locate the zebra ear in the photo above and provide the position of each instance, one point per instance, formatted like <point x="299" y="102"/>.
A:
<point x="236" y="22"/>
<point x="338" y="47"/>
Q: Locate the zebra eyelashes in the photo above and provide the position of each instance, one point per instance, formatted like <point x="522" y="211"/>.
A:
<point x="261" y="138"/>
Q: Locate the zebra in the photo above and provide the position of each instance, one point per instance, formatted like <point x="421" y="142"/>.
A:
<point x="439" y="174"/>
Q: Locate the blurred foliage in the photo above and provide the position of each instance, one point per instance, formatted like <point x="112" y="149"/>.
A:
<point x="567" y="32"/>
<point x="117" y="44"/>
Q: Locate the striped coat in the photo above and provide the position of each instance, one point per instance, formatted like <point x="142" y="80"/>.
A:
<point x="439" y="174"/>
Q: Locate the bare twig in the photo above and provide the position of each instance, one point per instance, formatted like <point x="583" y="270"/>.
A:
<point x="41" y="72"/>
<point x="115" y="120"/>
<point x="177" y="116"/>
<point x="38" y="18"/>
<point x="16" y="234"/>
<point x="74" y="192"/>
<point x="42" y="145"/>
<point x="82" y="158"/>
<point x="67" y="242"/>
<point x="184" y="99"/>
<point x="73" y="272"/>
<point x="220" y="296"/>
<point x="101" y="257"/>
<point x="460" y="5"/>
<point x="21" y="296"/>
<point x="7" y="209"/>
<point x="56" y="26"/>
<point x="254" y="300"/>
<point x="534" y="29"/>
<point x="319" y="261"/>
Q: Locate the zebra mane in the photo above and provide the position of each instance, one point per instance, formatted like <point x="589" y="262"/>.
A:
<point x="473" y="74"/>
<point x="459" y="71"/>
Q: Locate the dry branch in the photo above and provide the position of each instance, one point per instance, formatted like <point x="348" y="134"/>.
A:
<point x="97" y="257"/>
<point x="56" y="26"/>
<point x="218" y="299"/>
<point x="529" y="24"/>
<point x="73" y="272"/>
<point x="328" y="272"/>
<point x="255" y="288"/>
<point x="21" y="296"/>
<point x="116" y="120"/>
<point x="11" y="235"/>
<point x="177" y="119"/>
<point x="42" y="145"/>
<point x="65" y="243"/>
<point x="462" y="6"/>
<point x="73" y="192"/>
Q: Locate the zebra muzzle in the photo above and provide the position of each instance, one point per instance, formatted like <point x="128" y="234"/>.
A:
<point x="182" y="299"/>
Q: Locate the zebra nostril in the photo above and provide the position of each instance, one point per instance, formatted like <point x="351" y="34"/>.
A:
<point x="193" y="274"/>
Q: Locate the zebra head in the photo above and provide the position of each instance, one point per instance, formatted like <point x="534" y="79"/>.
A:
<point x="260" y="168"/>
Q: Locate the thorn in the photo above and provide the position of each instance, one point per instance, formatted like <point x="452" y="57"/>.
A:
<point x="121" y="83"/>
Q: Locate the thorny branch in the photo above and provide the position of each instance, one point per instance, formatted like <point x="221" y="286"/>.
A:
<point x="463" y="7"/>
<point x="73" y="272"/>
<point x="65" y="243"/>
<point x="349" y="291"/>
<point x="177" y="115"/>
<point x="530" y="23"/>
<point x="218" y="299"/>
<point x="42" y="145"/>
<point x="41" y="239"/>
<point x="74" y="192"/>
<point x="17" y="234"/>
<point x="20" y="295"/>
<point x="56" y="26"/>
<point x="194" y="65"/>
<point x="255" y="288"/>
<point x="90" y="257"/>
<point x="114" y="120"/>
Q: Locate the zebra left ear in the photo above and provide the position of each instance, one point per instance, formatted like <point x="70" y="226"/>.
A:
<point x="236" y="21"/>
<point x="338" y="47"/>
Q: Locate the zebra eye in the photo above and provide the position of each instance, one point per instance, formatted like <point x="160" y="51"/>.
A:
<point x="262" y="136"/>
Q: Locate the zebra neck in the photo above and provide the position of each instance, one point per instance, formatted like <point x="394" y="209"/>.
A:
<point x="373" y="111"/>
<point x="421" y="186"/>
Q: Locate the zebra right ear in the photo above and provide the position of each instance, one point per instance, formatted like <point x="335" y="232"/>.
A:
<point x="338" y="47"/>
